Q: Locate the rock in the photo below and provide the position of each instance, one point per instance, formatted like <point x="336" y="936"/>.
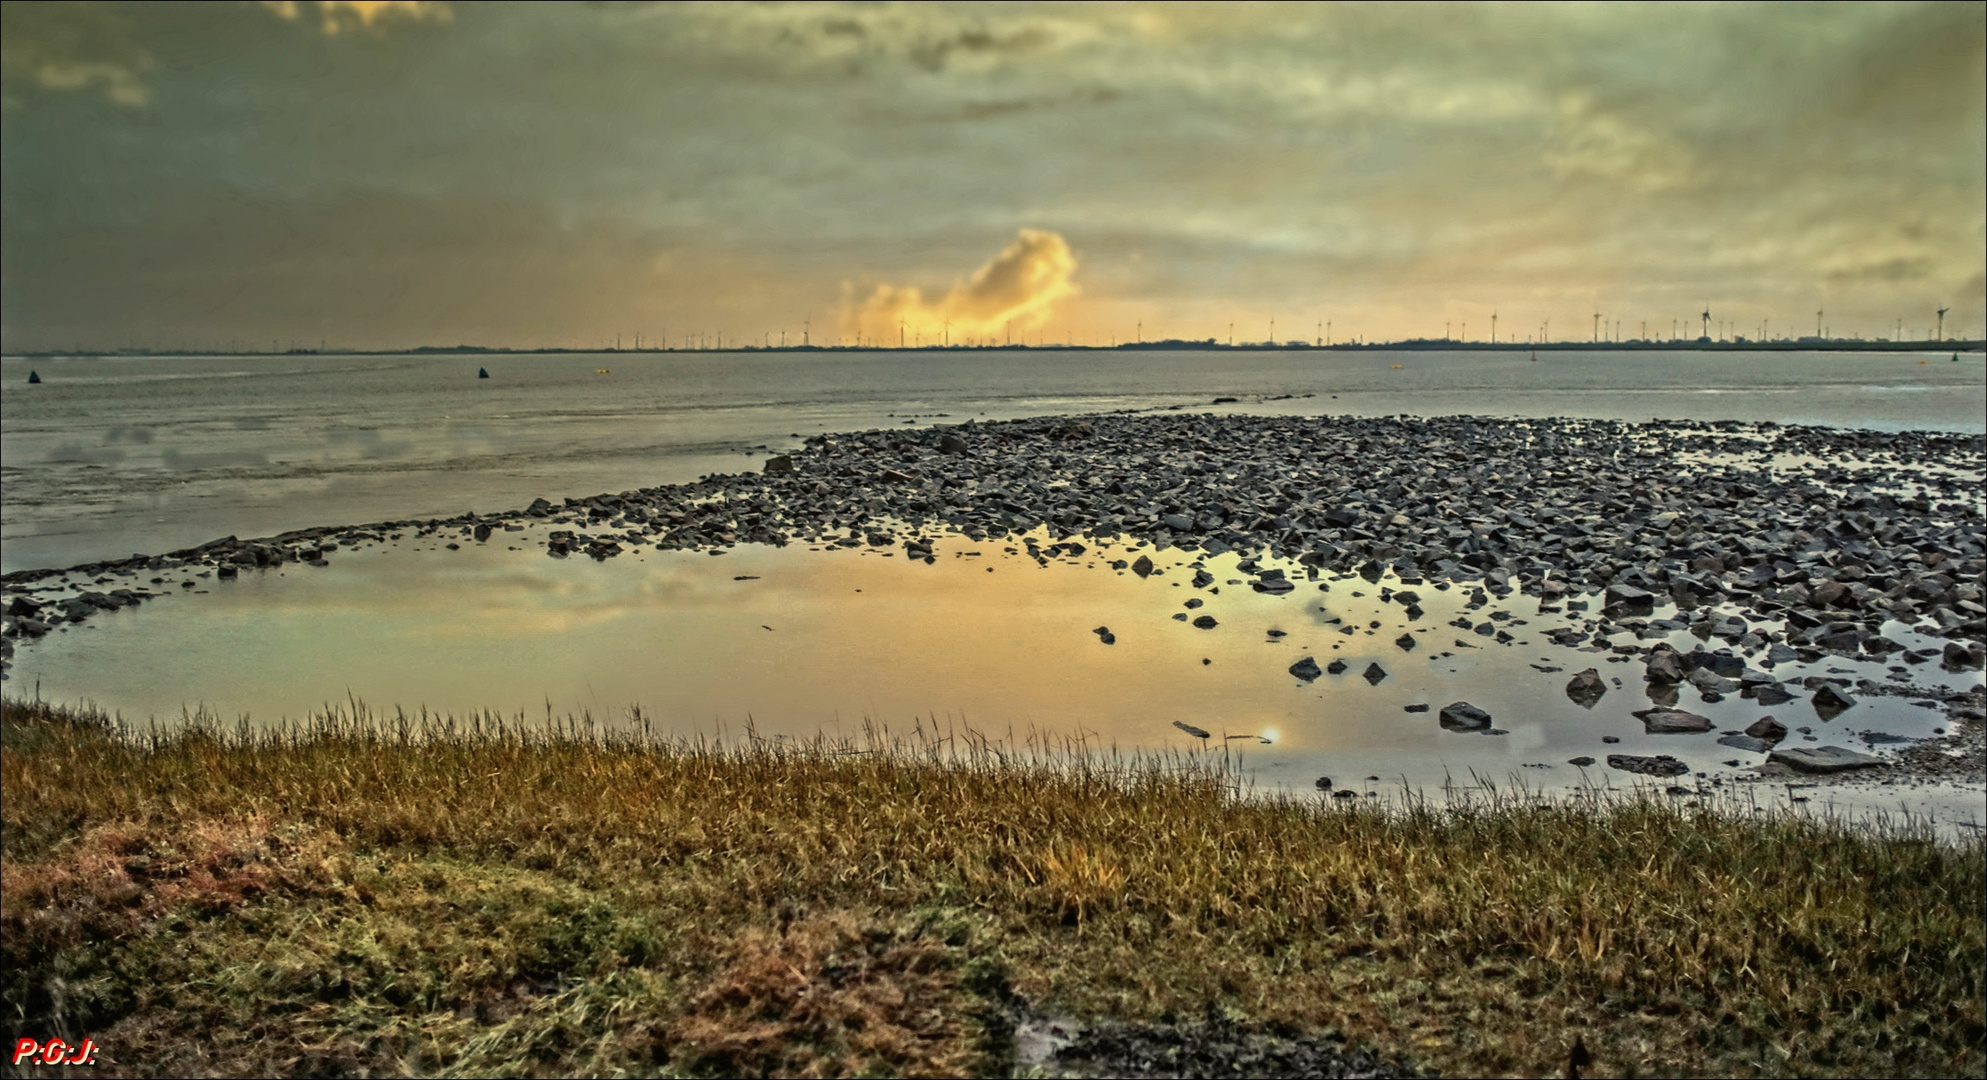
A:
<point x="1306" y="669"/>
<point x="1664" y="666"/>
<point x="539" y="508"/>
<point x="779" y="463"/>
<point x="1405" y="641"/>
<point x="1374" y="673"/>
<point x="949" y="443"/>
<point x="1336" y="667"/>
<point x="1773" y="694"/>
<point x="1823" y="759"/>
<point x="482" y="532"/>
<point x="1198" y="733"/>
<point x="1582" y="761"/>
<point x="1422" y="707"/>
<point x="1830" y="703"/>
<point x="1956" y="656"/>
<point x="1710" y="682"/>
<point x="1671" y="721"/>
<point x="1654" y="765"/>
<point x="1202" y="579"/>
<point x="226" y="572"/>
<point x="1179" y="523"/>
<point x="1630" y="600"/>
<point x="1586" y="688"/>
<point x="1463" y="716"/>
<point x="1744" y="742"/>
<point x="1767" y="729"/>
<point x="1142" y="566"/>
<point x="1205" y="622"/>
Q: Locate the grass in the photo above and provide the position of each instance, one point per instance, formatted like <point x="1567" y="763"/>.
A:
<point x="386" y="896"/>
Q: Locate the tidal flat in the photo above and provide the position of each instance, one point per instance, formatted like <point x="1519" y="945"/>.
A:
<point x="1683" y="665"/>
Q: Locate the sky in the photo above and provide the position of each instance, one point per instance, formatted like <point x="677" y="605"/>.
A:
<point x="387" y="175"/>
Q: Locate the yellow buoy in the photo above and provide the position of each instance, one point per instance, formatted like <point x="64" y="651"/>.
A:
<point x="600" y="371"/>
<point x="1395" y="367"/>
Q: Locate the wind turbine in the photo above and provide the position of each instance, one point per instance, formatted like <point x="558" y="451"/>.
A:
<point x="1493" y="326"/>
<point x="1817" y="322"/>
<point x="1597" y="328"/>
<point x="1707" y="322"/>
<point x="1942" y="322"/>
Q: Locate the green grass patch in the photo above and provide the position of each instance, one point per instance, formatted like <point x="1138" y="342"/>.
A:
<point x="359" y="896"/>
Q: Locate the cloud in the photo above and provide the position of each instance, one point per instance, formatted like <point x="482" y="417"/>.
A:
<point x="66" y="47"/>
<point x="1019" y="287"/>
<point x="337" y="16"/>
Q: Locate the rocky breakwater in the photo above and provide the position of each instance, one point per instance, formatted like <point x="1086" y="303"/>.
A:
<point x="1809" y="538"/>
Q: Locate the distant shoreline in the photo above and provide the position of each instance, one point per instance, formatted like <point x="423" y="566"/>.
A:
<point x="1150" y="346"/>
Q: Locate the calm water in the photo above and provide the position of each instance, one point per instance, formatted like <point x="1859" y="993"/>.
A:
<point x="111" y="456"/>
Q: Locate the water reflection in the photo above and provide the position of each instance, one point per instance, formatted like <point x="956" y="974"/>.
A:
<point x="796" y="642"/>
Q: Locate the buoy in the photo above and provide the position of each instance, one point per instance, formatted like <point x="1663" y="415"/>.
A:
<point x="1394" y="367"/>
<point x="600" y="371"/>
<point x="482" y="373"/>
<point x="35" y="376"/>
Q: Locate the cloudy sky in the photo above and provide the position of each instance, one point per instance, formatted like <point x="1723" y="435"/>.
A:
<point x="375" y="175"/>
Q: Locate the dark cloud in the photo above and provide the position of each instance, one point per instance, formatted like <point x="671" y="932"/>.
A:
<point x="529" y="172"/>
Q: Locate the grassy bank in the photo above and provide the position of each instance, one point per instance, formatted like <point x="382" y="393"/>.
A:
<point x="348" y="899"/>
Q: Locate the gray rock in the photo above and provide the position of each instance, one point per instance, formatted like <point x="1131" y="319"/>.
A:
<point x="1671" y="721"/>
<point x="1374" y="673"/>
<point x="1463" y="716"/>
<point x="1416" y="708"/>
<point x="1823" y="759"/>
<point x="949" y="443"/>
<point x="779" y="463"/>
<point x="1773" y="694"/>
<point x="1306" y="669"/>
<point x="1582" y="761"/>
<point x="1744" y="742"/>
<point x="1665" y="666"/>
<point x="1710" y="682"/>
<point x="1652" y="765"/>
<point x="1336" y="667"/>
<point x="1830" y="703"/>
<point x="1767" y="729"/>
<point x="1405" y="641"/>
<point x="1142" y="566"/>
<point x="1628" y="598"/>
<point x="1206" y="622"/>
<point x="1587" y="688"/>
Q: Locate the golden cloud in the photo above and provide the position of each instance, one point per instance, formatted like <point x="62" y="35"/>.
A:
<point x="336" y="16"/>
<point x="1017" y="289"/>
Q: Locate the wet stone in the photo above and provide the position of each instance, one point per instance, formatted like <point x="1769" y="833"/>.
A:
<point x="1650" y="765"/>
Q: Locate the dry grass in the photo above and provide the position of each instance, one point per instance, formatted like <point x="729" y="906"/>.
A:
<point x="395" y="896"/>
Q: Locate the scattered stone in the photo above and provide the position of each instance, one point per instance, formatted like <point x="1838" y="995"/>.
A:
<point x="1406" y="642"/>
<point x="1582" y="761"/>
<point x="1744" y="742"/>
<point x="1336" y="667"/>
<point x="1463" y="716"/>
<point x="1671" y="721"/>
<point x="1206" y="622"/>
<point x="1586" y="688"/>
<point x="1374" y="673"/>
<point x="1823" y="759"/>
<point x="1653" y="765"/>
<point x="1830" y="703"/>
<point x="1198" y="733"/>
<point x="1422" y="707"/>
<point x="1767" y="729"/>
<point x="1306" y="669"/>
